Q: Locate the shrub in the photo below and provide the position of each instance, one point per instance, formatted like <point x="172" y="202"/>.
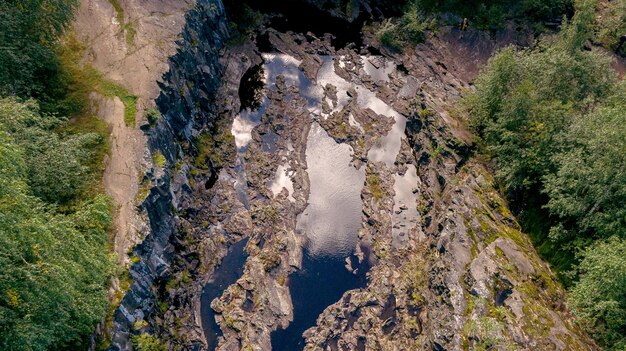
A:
<point x="147" y="342"/>
<point x="152" y="115"/>
<point x="410" y="28"/>
<point x="158" y="159"/>
<point x="598" y="299"/>
<point x="389" y="36"/>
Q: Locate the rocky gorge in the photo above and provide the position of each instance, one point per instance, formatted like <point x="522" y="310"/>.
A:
<point x="314" y="191"/>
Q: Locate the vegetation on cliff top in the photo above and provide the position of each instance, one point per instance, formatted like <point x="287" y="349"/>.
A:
<point x="420" y="16"/>
<point x="53" y="241"/>
<point x="54" y="219"/>
<point x="552" y="118"/>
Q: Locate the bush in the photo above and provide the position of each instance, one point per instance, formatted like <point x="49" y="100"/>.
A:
<point x="158" y="159"/>
<point x="410" y="28"/>
<point x="414" y="23"/>
<point x="55" y="267"/>
<point x="152" y="115"/>
<point x="147" y="342"/>
<point x="598" y="299"/>
<point x="389" y="35"/>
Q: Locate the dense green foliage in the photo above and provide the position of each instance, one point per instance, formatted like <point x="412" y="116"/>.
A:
<point x="58" y="167"/>
<point x="54" y="254"/>
<point x="491" y="14"/>
<point x="553" y="119"/>
<point x="409" y="28"/>
<point x="55" y="266"/>
<point x="147" y="342"/>
<point x="598" y="299"/>
<point x="28" y="32"/>
<point x="587" y="192"/>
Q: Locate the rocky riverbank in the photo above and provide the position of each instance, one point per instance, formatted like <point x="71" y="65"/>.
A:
<point x="397" y="197"/>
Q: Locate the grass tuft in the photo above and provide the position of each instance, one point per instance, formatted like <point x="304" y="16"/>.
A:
<point x="81" y="80"/>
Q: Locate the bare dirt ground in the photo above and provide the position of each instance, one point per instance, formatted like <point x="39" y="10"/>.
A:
<point x="133" y="53"/>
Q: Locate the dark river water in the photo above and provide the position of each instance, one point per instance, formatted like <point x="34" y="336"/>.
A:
<point x="321" y="282"/>
<point x="227" y="273"/>
<point x="330" y="224"/>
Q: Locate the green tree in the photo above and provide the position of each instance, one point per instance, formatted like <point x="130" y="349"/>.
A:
<point x="54" y="268"/>
<point x="58" y="167"/>
<point x="525" y="99"/>
<point x="598" y="299"/>
<point x="589" y="186"/>
<point x="28" y="34"/>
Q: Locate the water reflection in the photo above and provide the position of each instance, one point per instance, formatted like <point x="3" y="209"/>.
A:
<point x="377" y="67"/>
<point x="283" y="181"/>
<point x="333" y="215"/>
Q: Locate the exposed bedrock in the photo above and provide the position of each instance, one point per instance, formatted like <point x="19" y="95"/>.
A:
<point x="323" y="160"/>
<point x="187" y="96"/>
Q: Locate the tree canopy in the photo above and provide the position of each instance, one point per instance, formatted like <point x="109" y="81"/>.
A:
<point x="28" y="33"/>
<point x="55" y="266"/>
<point x="553" y="121"/>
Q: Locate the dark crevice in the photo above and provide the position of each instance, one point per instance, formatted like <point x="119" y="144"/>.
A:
<point x="251" y="88"/>
<point x="300" y="16"/>
<point x="227" y="273"/>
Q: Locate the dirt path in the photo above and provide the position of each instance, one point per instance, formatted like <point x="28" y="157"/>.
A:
<point x="130" y="45"/>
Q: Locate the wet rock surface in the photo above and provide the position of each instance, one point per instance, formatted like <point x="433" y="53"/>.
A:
<point x="397" y="203"/>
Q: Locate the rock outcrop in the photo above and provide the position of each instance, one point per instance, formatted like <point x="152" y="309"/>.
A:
<point x="472" y="280"/>
<point x="450" y="269"/>
<point x="186" y="100"/>
<point x="128" y="42"/>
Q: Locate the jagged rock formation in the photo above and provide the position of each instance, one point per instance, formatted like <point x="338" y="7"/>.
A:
<point x="129" y="45"/>
<point x="474" y="281"/>
<point x="196" y="62"/>
<point x="449" y="268"/>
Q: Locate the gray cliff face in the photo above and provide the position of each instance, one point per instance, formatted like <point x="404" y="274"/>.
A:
<point x="343" y="155"/>
<point x="186" y="100"/>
